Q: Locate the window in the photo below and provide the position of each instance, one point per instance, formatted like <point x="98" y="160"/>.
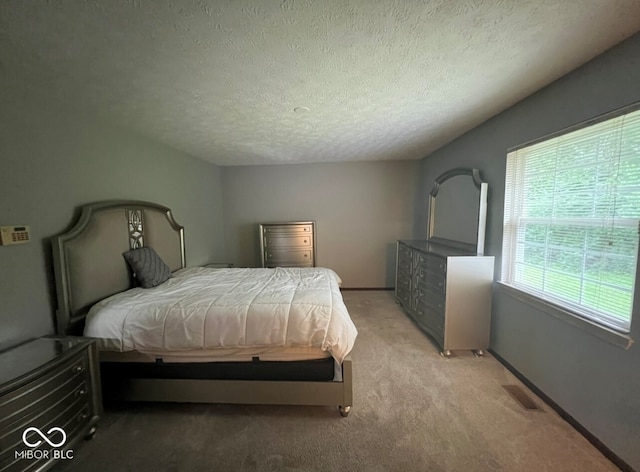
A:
<point x="571" y="221"/>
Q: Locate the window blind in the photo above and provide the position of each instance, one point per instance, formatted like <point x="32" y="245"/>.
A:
<point x="572" y="208"/>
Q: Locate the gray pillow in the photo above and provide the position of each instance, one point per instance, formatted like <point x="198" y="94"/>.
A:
<point x="148" y="267"/>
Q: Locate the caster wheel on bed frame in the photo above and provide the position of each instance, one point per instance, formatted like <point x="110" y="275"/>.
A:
<point x="446" y="353"/>
<point x="479" y="353"/>
<point x="90" y="434"/>
<point x="344" y="410"/>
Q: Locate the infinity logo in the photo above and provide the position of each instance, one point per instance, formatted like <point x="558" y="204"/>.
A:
<point x="44" y="438"/>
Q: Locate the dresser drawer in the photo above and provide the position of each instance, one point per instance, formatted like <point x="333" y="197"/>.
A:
<point x="434" y="282"/>
<point x="430" y="281"/>
<point x="436" y="264"/>
<point x="288" y="240"/>
<point x="419" y="259"/>
<point x="433" y="299"/>
<point x="404" y="251"/>
<point x="404" y="264"/>
<point x="288" y="257"/>
<point x="291" y="229"/>
<point x="288" y="264"/>
<point x="403" y="282"/>
<point x="404" y="297"/>
<point x="431" y="318"/>
<point x="403" y="289"/>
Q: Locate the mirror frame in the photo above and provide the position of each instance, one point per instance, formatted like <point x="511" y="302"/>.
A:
<point x="482" y="187"/>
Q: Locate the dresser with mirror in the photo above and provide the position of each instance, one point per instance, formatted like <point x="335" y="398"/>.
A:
<point x="444" y="282"/>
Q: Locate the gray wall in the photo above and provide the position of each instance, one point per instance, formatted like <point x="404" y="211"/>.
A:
<point x="53" y="161"/>
<point x="594" y="381"/>
<point x="360" y="209"/>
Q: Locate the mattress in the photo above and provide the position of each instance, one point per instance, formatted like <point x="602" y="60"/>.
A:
<point x="212" y="313"/>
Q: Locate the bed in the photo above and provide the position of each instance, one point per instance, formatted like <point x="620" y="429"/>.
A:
<point x="208" y="335"/>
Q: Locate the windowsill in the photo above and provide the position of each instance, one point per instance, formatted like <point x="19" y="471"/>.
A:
<point x="620" y="340"/>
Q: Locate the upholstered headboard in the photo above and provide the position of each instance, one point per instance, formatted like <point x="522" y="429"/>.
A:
<point x="88" y="260"/>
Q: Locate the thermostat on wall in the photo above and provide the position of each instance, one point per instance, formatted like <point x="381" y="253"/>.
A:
<point x="14" y="235"/>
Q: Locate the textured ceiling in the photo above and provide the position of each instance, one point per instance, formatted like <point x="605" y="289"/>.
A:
<point x="372" y="80"/>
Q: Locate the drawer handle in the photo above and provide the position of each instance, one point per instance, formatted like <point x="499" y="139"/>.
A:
<point x="78" y="369"/>
<point x="305" y="241"/>
<point x="81" y="392"/>
<point x="83" y="416"/>
<point x="306" y="255"/>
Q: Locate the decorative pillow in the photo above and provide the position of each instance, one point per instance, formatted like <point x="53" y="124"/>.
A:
<point x="148" y="267"/>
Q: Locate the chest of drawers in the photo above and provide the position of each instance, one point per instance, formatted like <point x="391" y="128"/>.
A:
<point x="51" y="385"/>
<point x="290" y="244"/>
<point x="447" y="292"/>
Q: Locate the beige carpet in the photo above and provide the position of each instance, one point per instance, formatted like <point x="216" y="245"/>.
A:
<point x="413" y="411"/>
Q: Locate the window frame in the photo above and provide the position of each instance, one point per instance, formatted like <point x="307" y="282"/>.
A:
<point x="543" y="300"/>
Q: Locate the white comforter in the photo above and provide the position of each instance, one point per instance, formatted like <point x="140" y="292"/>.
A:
<point x="201" y="308"/>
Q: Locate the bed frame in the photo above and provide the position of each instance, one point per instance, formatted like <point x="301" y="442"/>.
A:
<point x="89" y="267"/>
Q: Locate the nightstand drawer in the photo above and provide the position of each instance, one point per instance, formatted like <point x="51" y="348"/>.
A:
<point x="20" y="401"/>
<point x="71" y="408"/>
<point x="43" y="411"/>
<point x="46" y="383"/>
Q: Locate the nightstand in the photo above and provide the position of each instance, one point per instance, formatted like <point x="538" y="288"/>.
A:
<point x="49" y="386"/>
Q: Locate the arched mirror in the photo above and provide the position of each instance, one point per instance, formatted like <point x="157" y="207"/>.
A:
<point x="458" y="210"/>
